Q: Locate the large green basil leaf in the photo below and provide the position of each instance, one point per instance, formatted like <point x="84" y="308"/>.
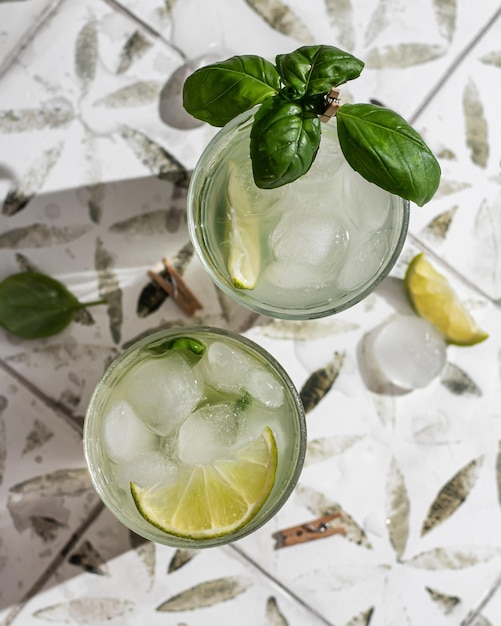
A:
<point x="313" y="70"/>
<point x="219" y="92"/>
<point x="34" y="305"/>
<point x="386" y="150"/>
<point x="283" y="143"/>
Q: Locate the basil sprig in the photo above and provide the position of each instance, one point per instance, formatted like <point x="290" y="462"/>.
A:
<point x="376" y="142"/>
<point x="33" y="305"/>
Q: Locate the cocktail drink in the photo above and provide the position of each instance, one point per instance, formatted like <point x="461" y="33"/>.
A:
<point x="306" y="249"/>
<point x="194" y="437"/>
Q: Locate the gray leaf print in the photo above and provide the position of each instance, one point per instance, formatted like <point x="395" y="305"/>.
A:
<point x="319" y="506"/>
<point x="86" y="53"/>
<point x="109" y="289"/>
<point x="85" y="611"/>
<point x="378" y="22"/>
<point x="492" y="58"/>
<point x="32" y="181"/>
<point x="450" y="186"/>
<point x="364" y="619"/>
<point x="453" y="558"/>
<point x="451" y="496"/>
<point x="274" y="616"/>
<point x="282" y="19"/>
<point x="151" y="223"/>
<point x="135" y="95"/>
<point x="402" y="55"/>
<point x="89" y="559"/>
<point x="3" y="437"/>
<point x="458" y="382"/>
<point x="476" y="125"/>
<point x="63" y="355"/>
<point x="64" y="482"/>
<point x="320" y="382"/>
<point x="445" y="11"/>
<point x="438" y="228"/>
<point x="55" y="113"/>
<point x="340" y="14"/>
<point x="321" y="449"/>
<point x="444" y="601"/>
<point x="25" y="265"/>
<point x="38" y="435"/>
<point x="134" y="48"/>
<point x="160" y="162"/>
<point x="180" y="558"/>
<point x="305" y="330"/>
<point x="40" y="236"/>
<point x="397" y="509"/>
<point x="206" y="594"/>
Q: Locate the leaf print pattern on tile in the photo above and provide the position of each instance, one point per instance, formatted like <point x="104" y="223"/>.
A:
<point x="54" y="113"/>
<point x="324" y="448"/>
<point x="446" y="13"/>
<point x="109" y="289"/>
<point x="3" y="437"/>
<point x="88" y="558"/>
<point x="403" y="55"/>
<point x="397" y="509"/>
<point x="136" y="95"/>
<point x="451" y="496"/>
<point x="445" y="602"/>
<point x="454" y="558"/>
<point x="180" y="558"/>
<point x="206" y="594"/>
<point x="85" y="611"/>
<point x="281" y="18"/>
<point x="492" y="58"/>
<point x="340" y="14"/>
<point x="86" y="53"/>
<point x="363" y="619"/>
<point x="274" y="615"/>
<point x="477" y="135"/>
<point x="135" y="46"/>
<point x="41" y="236"/>
<point x="437" y="229"/>
<point x="458" y="382"/>
<point x="321" y="382"/>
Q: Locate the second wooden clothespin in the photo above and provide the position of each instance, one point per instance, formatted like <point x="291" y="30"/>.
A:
<point x="177" y="289"/>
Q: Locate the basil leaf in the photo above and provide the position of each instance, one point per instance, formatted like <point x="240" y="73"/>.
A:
<point x="33" y="305"/>
<point x="283" y="143"/>
<point x="180" y="343"/>
<point x="386" y="150"/>
<point x="314" y="70"/>
<point x="219" y="92"/>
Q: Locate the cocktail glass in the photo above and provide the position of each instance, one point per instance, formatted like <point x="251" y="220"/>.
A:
<point x="194" y="404"/>
<point x="305" y="250"/>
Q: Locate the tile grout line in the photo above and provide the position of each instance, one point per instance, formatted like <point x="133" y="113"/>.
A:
<point x="453" y="67"/>
<point x="54" y="565"/>
<point x="60" y="409"/>
<point x="486" y="598"/>
<point x="278" y="584"/>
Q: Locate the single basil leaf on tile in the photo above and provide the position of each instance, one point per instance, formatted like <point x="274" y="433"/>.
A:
<point x="85" y="611"/>
<point x="34" y="305"/>
<point x="451" y="496"/>
<point x="206" y="594"/>
<point x="403" y="55"/>
<point x="320" y="382"/>
<point x="445" y="602"/>
<point x="274" y="615"/>
<point x="109" y="289"/>
<point x="381" y="146"/>
<point x="458" y="382"/>
<point x="137" y="94"/>
<point x="397" y="509"/>
<point x="454" y="558"/>
<point x="180" y="558"/>
<point x="32" y="181"/>
<point x="282" y="19"/>
<point x="86" y="52"/>
<point x="477" y="133"/>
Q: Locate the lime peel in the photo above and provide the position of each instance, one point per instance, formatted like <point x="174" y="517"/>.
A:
<point x="433" y="299"/>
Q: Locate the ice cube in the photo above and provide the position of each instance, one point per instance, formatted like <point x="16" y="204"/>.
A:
<point x="293" y="276"/>
<point x="309" y="235"/>
<point x="163" y="391"/>
<point x="363" y="261"/>
<point x="408" y="351"/>
<point x="265" y="388"/>
<point x="207" y="433"/>
<point x="367" y="206"/>
<point x="146" y="469"/>
<point x="123" y="433"/>
<point x="327" y="161"/>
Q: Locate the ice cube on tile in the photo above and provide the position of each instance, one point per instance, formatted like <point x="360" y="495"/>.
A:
<point x="163" y="391"/>
<point x="363" y="261"/>
<point x="207" y="433"/>
<point x="123" y="433"/>
<point x="408" y="351"/>
<point x="147" y="469"/>
<point x="265" y="388"/>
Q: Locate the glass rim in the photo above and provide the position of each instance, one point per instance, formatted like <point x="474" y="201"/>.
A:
<point x="244" y="297"/>
<point x="91" y="437"/>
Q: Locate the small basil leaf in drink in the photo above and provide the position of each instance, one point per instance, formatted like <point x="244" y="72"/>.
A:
<point x="380" y="145"/>
<point x="180" y="343"/>
<point x="219" y="92"/>
<point x="283" y="143"/>
<point x="314" y="70"/>
<point x="33" y="305"/>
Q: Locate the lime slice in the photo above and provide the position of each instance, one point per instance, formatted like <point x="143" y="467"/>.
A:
<point x="215" y="499"/>
<point x="243" y="234"/>
<point x="434" y="300"/>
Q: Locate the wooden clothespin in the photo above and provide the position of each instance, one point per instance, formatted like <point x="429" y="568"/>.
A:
<point x="177" y="289"/>
<point x="333" y="103"/>
<point x="316" y="529"/>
